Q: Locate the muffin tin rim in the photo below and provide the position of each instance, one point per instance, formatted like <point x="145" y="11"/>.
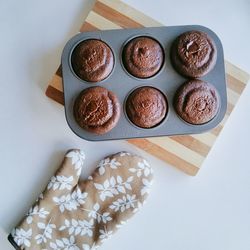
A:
<point x="124" y="67"/>
<point x="73" y="71"/>
<point x="221" y="87"/>
<point x="174" y="46"/>
<point x="189" y="123"/>
<point x="157" y="125"/>
<point x="109" y="91"/>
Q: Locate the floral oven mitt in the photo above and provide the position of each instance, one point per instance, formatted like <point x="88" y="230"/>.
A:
<point x="73" y="215"/>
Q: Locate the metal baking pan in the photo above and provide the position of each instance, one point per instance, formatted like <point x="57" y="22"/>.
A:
<point x="167" y="80"/>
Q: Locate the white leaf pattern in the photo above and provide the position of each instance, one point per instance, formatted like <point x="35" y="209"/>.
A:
<point x="142" y="168"/>
<point x="60" y="182"/>
<point x="113" y="186"/>
<point x="104" y="234"/>
<point x="105" y="217"/>
<point x="77" y="159"/>
<point x="124" y="203"/>
<point x="124" y="154"/>
<point x="107" y="163"/>
<point x="65" y="244"/>
<point x="78" y="227"/>
<point x="146" y="186"/>
<point x="95" y="223"/>
<point x="47" y="232"/>
<point x="42" y="213"/>
<point x="71" y="201"/>
<point x="22" y="237"/>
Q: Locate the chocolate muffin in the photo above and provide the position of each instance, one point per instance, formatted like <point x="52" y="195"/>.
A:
<point x="92" y="60"/>
<point x="146" y="107"/>
<point x="197" y="102"/>
<point x="143" y="57"/>
<point x="194" y="54"/>
<point x="97" y="110"/>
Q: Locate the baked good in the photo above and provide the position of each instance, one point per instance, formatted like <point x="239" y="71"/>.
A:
<point x="97" y="110"/>
<point x="197" y="102"/>
<point x="146" y="107"/>
<point x="92" y="60"/>
<point x="194" y="54"/>
<point x="143" y="57"/>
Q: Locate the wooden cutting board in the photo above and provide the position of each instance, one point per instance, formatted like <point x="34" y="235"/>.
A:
<point x="188" y="152"/>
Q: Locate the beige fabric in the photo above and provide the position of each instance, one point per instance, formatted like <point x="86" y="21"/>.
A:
<point x="72" y="214"/>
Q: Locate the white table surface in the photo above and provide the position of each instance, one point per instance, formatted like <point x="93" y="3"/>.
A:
<point x="207" y="212"/>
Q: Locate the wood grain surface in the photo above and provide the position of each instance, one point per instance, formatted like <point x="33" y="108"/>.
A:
<point x="188" y="152"/>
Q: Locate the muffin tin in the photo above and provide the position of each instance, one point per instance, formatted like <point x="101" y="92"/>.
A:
<point x="167" y="80"/>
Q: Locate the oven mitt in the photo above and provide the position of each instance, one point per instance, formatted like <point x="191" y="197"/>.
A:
<point x="73" y="215"/>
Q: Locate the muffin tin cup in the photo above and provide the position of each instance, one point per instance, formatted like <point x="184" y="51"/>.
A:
<point x="131" y="122"/>
<point x="78" y="77"/>
<point x="122" y="83"/>
<point x="124" y="67"/>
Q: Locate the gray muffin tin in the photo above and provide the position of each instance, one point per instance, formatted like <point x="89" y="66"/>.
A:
<point x="167" y="80"/>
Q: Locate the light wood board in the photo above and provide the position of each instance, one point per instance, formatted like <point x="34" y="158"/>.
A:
<point x="188" y="152"/>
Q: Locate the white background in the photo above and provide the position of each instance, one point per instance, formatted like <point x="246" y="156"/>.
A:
<point x="207" y="212"/>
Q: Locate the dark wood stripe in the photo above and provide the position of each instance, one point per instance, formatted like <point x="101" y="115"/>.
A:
<point x="191" y="143"/>
<point x="55" y="94"/>
<point x="234" y="84"/>
<point x="115" y="16"/>
<point x="165" y="155"/>
<point x="59" y="71"/>
<point x="88" y="27"/>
